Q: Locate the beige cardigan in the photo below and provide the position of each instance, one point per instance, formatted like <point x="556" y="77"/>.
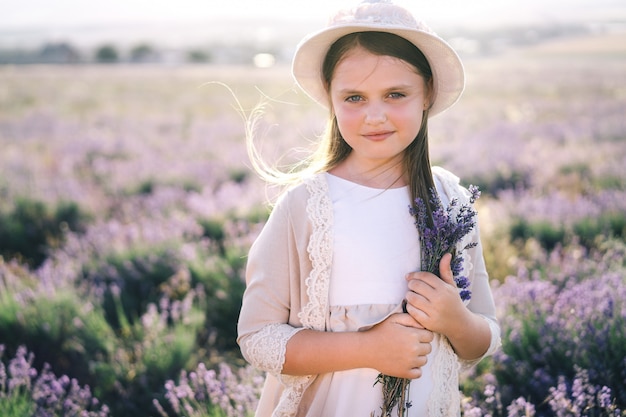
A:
<point x="288" y="276"/>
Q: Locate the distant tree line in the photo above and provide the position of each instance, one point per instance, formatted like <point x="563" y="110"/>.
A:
<point x="107" y="53"/>
<point x="478" y="42"/>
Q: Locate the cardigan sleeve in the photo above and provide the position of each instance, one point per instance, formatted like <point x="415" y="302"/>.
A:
<point x="481" y="302"/>
<point x="266" y="321"/>
<point x="279" y="266"/>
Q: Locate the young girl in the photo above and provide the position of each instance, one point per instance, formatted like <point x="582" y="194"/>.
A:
<point x="332" y="297"/>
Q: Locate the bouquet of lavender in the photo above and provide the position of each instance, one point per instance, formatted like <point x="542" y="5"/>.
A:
<point x="446" y="232"/>
<point x="448" y="227"/>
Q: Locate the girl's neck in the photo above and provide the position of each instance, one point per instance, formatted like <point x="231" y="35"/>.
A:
<point x="389" y="174"/>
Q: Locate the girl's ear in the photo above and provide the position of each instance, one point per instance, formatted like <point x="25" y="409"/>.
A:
<point x="428" y="99"/>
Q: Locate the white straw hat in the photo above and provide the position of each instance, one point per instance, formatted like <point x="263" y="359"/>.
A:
<point x="380" y="16"/>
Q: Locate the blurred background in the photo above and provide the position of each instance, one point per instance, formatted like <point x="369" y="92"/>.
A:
<point x="128" y="204"/>
<point x="75" y="31"/>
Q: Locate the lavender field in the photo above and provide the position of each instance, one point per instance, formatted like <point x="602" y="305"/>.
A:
<point x="127" y="206"/>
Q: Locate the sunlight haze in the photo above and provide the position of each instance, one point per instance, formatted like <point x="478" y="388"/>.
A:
<point x="183" y="20"/>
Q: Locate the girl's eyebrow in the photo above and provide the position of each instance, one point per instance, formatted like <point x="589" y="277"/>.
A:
<point x="391" y="88"/>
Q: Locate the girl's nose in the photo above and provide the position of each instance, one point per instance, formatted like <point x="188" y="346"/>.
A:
<point x="375" y="114"/>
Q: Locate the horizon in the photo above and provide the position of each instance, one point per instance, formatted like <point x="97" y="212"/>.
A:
<point x="30" y="22"/>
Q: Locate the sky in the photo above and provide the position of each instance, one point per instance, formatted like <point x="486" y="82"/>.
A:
<point x="23" y="18"/>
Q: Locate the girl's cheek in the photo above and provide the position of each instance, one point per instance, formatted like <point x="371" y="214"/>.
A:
<point x="348" y="115"/>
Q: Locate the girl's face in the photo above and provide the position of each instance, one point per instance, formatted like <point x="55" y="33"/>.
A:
<point x="378" y="102"/>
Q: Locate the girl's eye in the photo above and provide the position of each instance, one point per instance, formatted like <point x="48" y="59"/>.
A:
<point x="396" y="95"/>
<point x="354" y="99"/>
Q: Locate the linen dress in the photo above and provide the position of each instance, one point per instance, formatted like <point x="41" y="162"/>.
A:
<point x="333" y="257"/>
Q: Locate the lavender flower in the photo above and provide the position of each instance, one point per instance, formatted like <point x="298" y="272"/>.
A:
<point x="448" y="228"/>
<point x="21" y="370"/>
<point x="520" y="407"/>
<point x="3" y="371"/>
<point x="50" y="396"/>
<point x="226" y="393"/>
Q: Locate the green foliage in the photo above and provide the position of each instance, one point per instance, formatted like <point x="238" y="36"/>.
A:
<point x="493" y="182"/>
<point x="16" y="404"/>
<point x="223" y="282"/>
<point x="609" y="182"/>
<point x="162" y="322"/>
<point x="213" y="228"/>
<point x="238" y="175"/>
<point x="191" y="186"/>
<point x="59" y="329"/>
<point x="131" y="281"/>
<point x="606" y="225"/>
<point x="547" y="234"/>
<point x="580" y="169"/>
<point x="589" y="231"/>
<point x="146" y="187"/>
<point x="32" y="228"/>
<point x="153" y="350"/>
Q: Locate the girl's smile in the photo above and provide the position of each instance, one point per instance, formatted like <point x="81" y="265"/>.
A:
<point x="379" y="103"/>
<point x="378" y="135"/>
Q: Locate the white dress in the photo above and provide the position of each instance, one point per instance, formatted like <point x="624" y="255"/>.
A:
<point x="375" y="245"/>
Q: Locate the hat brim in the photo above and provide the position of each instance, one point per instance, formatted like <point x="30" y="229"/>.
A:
<point x="446" y="66"/>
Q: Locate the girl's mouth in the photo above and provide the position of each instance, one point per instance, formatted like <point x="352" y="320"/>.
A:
<point x="378" y="136"/>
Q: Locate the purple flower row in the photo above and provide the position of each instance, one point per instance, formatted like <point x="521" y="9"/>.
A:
<point x="578" y="398"/>
<point x="231" y="394"/>
<point x="563" y="317"/>
<point x="50" y="395"/>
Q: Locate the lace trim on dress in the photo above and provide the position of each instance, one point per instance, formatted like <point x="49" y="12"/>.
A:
<point x="292" y="395"/>
<point x="445" y="400"/>
<point x="319" y="210"/>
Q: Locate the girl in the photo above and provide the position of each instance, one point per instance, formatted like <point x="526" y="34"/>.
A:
<point x="329" y="275"/>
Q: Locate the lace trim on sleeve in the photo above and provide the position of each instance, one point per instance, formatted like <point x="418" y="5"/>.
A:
<point x="319" y="210"/>
<point x="266" y="348"/>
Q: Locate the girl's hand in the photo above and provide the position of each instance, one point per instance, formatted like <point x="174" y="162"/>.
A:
<point x="434" y="302"/>
<point x="399" y="346"/>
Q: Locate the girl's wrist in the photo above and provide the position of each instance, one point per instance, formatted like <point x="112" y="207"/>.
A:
<point x="470" y="338"/>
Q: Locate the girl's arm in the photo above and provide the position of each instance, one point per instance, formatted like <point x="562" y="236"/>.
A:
<point x="397" y="346"/>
